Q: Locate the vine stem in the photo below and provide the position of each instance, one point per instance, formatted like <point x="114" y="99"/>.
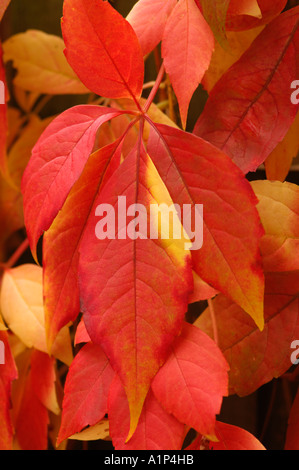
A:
<point x="148" y="85"/>
<point x="16" y="255"/>
<point x="154" y="89"/>
<point x="214" y="323"/>
<point x="42" y="103"/>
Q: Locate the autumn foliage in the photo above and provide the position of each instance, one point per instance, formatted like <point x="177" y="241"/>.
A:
<point x="97" y="337"/>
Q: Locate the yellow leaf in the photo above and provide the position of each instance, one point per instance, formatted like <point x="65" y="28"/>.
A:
<point x="16" y="346"/>
<point x="246" y="7"/>
<point x="279" y="162"/>
<point x="278" y="209"/>
<point x="20" y="151"/>
<point x="41" y="64"/>
<point x="21" y="300"/>
<point x="94" y="433"/>
<point x="223" y="59"/>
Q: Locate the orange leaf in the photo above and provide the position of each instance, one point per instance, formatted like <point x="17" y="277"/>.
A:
<point x="225" y="56"/>
<point x="103" y="49"/>
<point x="86" y="391"/>
<point x="279" y="162"/>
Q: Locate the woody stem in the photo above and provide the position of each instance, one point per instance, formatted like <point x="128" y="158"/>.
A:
<point x="17" y="254"/>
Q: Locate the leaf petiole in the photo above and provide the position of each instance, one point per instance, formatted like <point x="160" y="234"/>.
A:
<point x="154" y="89"/>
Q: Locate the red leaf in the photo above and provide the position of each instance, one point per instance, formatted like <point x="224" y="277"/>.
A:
<point x="202" y="290"/>
<point x="187" y="48"/>
<point x="103" y="49"/>
<point x="123" y="281"/>
<point x="249" y="110"/>
<point x="229" y="438"/>
<point x="156" y="430"/>
<point x="56" y="163"/>
<point x="256" y="357"/>
<point x="81" y="334"/>
<point x="86" y="391"/>
<point x="61" y="242"/>
<point x="193" y="381"/>
<point x="43" y="380"/>
<point x="8" y="373"/>
<point x="196" y="172"/>
<point x="235" y="438"/>
<point x="148" y="18"/>
<point x="30" y="415"/>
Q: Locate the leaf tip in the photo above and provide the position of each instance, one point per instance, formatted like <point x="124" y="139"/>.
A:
<point x="260" y="323"/>
<point x="134" y="418"/>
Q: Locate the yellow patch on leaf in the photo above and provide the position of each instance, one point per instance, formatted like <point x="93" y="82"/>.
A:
<point x="224" y="57"/>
